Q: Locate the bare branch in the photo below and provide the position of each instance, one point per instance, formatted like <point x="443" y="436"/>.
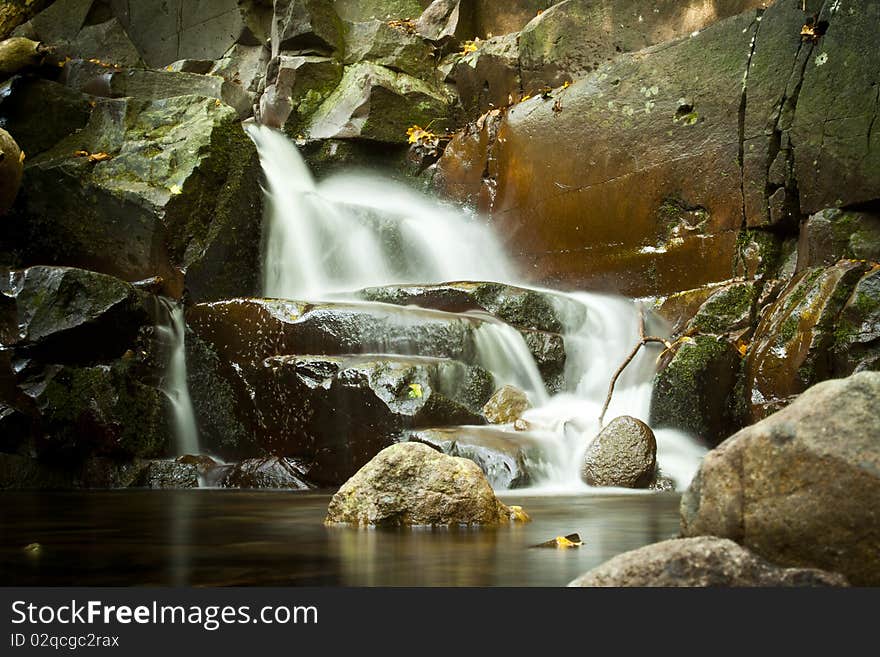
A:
<point x="642" y="341"/>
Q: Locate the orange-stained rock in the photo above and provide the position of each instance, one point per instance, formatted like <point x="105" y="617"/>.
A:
<point x="792" y="346"/>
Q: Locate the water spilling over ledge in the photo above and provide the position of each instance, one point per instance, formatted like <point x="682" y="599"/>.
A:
<point x="353" y="236"/>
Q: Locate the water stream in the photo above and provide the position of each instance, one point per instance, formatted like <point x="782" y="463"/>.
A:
<point x="172" y="332"/>
<point x="330" y="238"/>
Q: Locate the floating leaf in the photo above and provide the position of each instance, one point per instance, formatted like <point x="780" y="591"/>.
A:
<point x="415" y="391"/>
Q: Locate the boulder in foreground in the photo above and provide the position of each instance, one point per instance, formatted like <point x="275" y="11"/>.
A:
<point x="801" y="487"/>
<point x="413" y="484"/>
<point x="704" y="561"/>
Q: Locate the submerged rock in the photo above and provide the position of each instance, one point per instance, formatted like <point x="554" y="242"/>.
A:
<point x="506" y="405"/>
<point x="623" y="454"/>
<point x="502" y="458"/>
<point x="801" y="487"/>
<point x="705" y="561"/>
<point x="413" y="484"/>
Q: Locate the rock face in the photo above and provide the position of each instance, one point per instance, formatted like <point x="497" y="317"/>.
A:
<point x="505" y="462"/>
<point x="802" y="487"/>
<point x="413" y="484"/>
<point x="649" y="221"/>
<point x="623" y="454"/>
<point x="793" y="344"/>
<point x="168" y="474"/>
<point x="506" y="405"/>
<point x="10" y="170"/>
<point x="704" y="561"/>
<point x="145" y="188"/>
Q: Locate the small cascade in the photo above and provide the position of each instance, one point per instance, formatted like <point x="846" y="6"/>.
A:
<point x="173" y="334"/>
<point x="352" y="231"/>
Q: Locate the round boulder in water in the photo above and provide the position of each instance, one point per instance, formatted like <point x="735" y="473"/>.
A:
<point x="413" y="484"/>
<point x="506" y="405"/>
<point x="623" y="454"/>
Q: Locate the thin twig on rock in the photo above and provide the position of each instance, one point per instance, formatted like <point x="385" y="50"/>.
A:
<point x="643" y="340"/>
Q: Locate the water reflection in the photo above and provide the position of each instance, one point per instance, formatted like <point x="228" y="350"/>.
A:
<point x="216" y="538"/>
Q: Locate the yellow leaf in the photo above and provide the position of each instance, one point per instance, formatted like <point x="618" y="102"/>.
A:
<point x="21" y="157"/>
<point x="175" y="189"/>
<point x="566" y="84"/>
<point x="525" y="98"/>
<point x="469" y="47"/>
<point x="518" y="515"/>
<point x="415" y="391"/>
<point x="565" y="542"/>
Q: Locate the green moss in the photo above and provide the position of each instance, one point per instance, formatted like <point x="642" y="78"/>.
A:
<point x="726" y="310"/>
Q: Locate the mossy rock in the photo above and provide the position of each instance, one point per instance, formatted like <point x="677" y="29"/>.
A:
<point x="727" y="310"/>
<point x="694" y="391"/>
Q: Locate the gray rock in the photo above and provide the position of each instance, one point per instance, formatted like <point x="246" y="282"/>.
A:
<point x="376" y="103"/>
<point x="623" y="454"/>
<point x="502" y="458"/>
<point x="268" y="472"/>
<point x="391" y="47"/>
<point x="306" y="25"/>
<point x="413" y="484"/>
<point x="700" y="562"/>
<point x="832" y="234"/>
<point x="801" y="487"/>
<point x="296" y="87"/>
<point x="857" y="334"/>
<point x="506" y="405"/>
<point x="489" y="77"/>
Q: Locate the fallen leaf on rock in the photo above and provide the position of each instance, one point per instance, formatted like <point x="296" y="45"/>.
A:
<point x="415" y="391"/>
<point x="93" y="157"/>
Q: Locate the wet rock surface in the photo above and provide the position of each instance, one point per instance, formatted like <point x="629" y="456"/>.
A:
<point x="504" y="460"/>
<point x="506" y="405"/>
<point x="705" y="561"/>
<point x="801" y="487"/>
<point x="413" y="484"/>
<point x="269" y="472"/>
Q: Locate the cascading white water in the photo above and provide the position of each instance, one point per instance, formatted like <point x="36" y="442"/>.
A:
<point x="174" y="385"/>
<point x="354" y="231"/>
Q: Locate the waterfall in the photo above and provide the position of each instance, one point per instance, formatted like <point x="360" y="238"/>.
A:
<point x="353" y="231"/>
<point x="173" y="334"/>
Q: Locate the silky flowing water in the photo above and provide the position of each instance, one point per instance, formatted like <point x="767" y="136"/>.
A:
<point x="325" y="240"/>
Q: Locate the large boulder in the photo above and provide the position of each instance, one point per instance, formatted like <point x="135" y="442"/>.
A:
<point x="704" y="561"/>
<point x="296" y="86"/>
<point x="695" y="389"/>
<point x="306" y="25"/>
<point x="146" y="188"/>
<point x="15" y="12"/>
<point x="338" y="412"/>
<point x="505" y="458"/>
<point x="168" y="474"/>
<point x="413" y="484"/>
<point x="833" y="234"/>
<point x="801" y="487"/>
<point x="623" y="454"/>
<point x="392" y="47"/>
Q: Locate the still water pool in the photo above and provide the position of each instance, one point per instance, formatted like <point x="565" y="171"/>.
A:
<point x="240" y="538"/>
